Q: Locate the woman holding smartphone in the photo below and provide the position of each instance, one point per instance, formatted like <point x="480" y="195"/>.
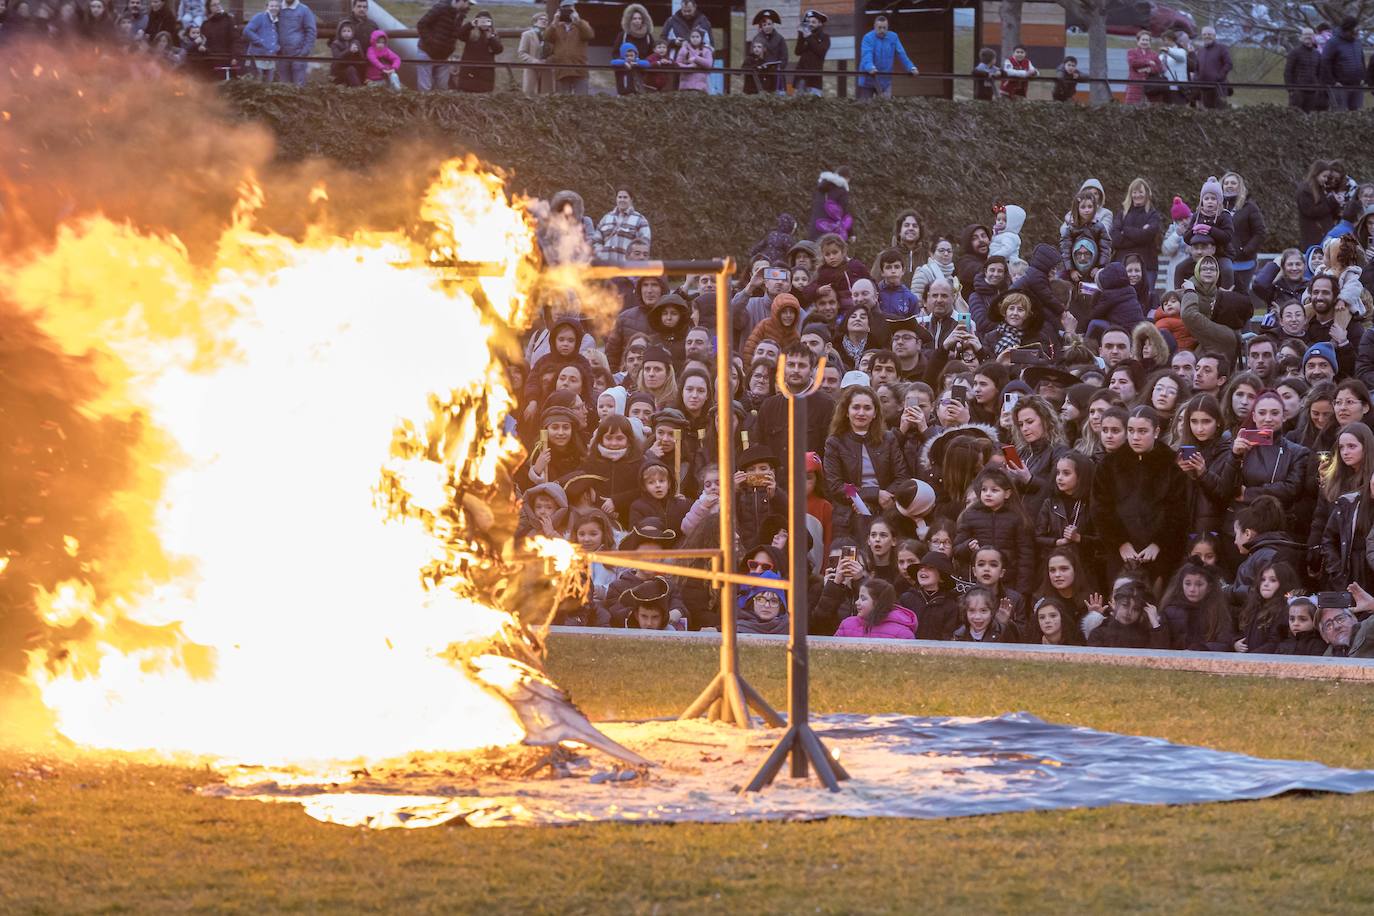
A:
<point x="1262" y="462"/>
<point x="863" y="459"/>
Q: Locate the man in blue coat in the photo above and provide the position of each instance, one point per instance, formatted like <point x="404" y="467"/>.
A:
<point x="878" y="52"/>
<point x="297" y="30"/>
<point x="1343" y="67"/>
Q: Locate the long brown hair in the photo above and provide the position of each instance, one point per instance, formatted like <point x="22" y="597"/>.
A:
<point x="839" y="420"/>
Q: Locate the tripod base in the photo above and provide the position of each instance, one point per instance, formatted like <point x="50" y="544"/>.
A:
<point x="803" y="744"/>
<point x="727" y="699"/>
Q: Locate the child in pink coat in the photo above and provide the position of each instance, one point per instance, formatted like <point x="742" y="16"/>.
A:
<point x="382" y="62"/>
<point x="695" y="56"/>
<point x="878" y="615"/>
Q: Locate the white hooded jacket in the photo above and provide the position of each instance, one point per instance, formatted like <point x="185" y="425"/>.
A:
<point x="1007" y="243"/>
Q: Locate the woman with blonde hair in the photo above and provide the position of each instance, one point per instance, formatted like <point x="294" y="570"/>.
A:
<point x="1138" y="228"/>
<point x="657" y="379"/>
<point x="1249" y="229"/>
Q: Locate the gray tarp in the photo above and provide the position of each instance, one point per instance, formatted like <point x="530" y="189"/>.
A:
<point x="902" y="766"/>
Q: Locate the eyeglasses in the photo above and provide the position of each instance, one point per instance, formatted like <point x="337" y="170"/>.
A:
<point x="766" y="598"/>
<point x="1331" y="623"/>
<point x="756" y="566"/>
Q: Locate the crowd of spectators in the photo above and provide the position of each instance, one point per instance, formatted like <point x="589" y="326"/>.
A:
<point x="1136" y="432"/>
<point x="1325" y="69"/>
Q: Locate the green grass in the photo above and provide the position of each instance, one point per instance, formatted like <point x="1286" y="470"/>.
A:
<point x="113" y="835"/>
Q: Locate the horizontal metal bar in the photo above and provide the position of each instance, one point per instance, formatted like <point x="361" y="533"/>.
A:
<point x="699" y="553"/>
<point x="630" y="561"/>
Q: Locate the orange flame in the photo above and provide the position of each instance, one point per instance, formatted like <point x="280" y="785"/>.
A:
<point x="292" y="595"/>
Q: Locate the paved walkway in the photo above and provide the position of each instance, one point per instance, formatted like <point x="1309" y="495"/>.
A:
<point x="1225" y="663"/>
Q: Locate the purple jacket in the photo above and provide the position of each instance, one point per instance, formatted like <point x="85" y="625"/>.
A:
<point x="898" y="624"/>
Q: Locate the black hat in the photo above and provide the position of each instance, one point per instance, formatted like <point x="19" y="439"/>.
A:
<point x="649" y="531"/>
<point x="669" y="416"/>
<point x="558" y="412"/>
<point x="817" y="14"/>
<point x="757" y="454"/>
<point x="767" y="14"/>
<point x="1035" y="375"/>
<point x="938" y="561"/>
<point x="649" y="591"/>
<point x="908" y="323"/>
<point x="576" y="486"/>
<point x="657" y="355"/>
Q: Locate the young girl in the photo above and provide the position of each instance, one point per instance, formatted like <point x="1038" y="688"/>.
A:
<point x="383" y="64"/>
<point x="882" y="551"/>
<point x="1200" y="428"/>
<point x="1196" y="610"/>
<point x="696" y="57"/>
<point x="1135" y="497"/>
<point x="348" y="51"/>
<point x="817" y="505"/>
<point x="591" y="528"/>
<point x="559" y="452"/>
<point x="997" y="520"/>
<point x="1063" y="517"/>
<point x="1135" y="623"/>
<point x="977" y="622"/>
<point x="1055" y="624"/>
<point x="844" y="572"/>
<point x="932" y="598"/>
<point x="614" y="456"/>
<point x="1219" y="227"/>
<point x="1264" y="617"/>
<point x="837" y="270"/>
<point x="1204" y="550"/>
<point x="1164" y="391"/>
<point x="1304" y="638"/>
<point x="1090" y="441"/>
<point x="1111" y="431"/>
<point x="878" y="615"/>
<point x="1067" y="581"/>
<point x="1080" y="224"/>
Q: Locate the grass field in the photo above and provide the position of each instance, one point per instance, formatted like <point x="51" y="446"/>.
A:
<point x="113" y="835"/>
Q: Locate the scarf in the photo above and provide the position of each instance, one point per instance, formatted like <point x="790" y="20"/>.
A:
<point x="947" y="272"/>
<point x="1008" y="338"/>
<point x="853" y="350"/>
<point x="612" y="454"/>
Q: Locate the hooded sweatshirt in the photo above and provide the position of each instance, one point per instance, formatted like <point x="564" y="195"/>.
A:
<point x="1116" y="301"/>
<point x="1007" y="243"/>
<point x="772" y="328"/>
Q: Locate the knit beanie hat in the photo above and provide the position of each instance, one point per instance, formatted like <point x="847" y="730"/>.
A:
<point x="1180" y="210"/>
<point x="1325" y="350"/>
<point x="1211" y="186"/>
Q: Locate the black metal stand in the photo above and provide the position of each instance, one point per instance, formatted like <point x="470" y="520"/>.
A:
<point x="800" y="740"/>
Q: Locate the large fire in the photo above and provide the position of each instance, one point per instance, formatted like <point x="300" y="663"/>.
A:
<point x="317" y="422"/>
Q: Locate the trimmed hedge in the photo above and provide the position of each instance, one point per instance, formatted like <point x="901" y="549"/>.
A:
<point x="711" y="173"/>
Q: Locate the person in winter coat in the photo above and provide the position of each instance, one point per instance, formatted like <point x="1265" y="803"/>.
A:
<point x="568" y="36"/>
<point x="677" y="28"/>
<point x="1079" y="227"/>
<point x="774" y="49"/>
<point x="162" y="19"/>
<point x="1142" y="63"/>
<point x="1213" y="67"/>
<point x="830" y="210"/>
<point x="480" y="46"/>
<point x="974" y="247"/>
<point x="438" y="30"/>
<point x="669" y="321"/>
<point x="1137" y="229"/>
<point x="1017" y="71"/>
<point x="297" y="29"/>
<point x="636" y="28"/>
<point x="1196" y="610"/>
<point x="697" y="58"/>
<point x="878" y="616"/>
<point x="1264" y="616"/>
<point x="762" y="610"/>
<point x="933" y="600"/>
<point x="614" y="455"/>
<point x="781" y="327"/>
<point x="813" y="45"/>
<point x="383" y="64"/>
<point x="879" y="51"/>
<point x="262" y="36"/>
<point x="1304" y="637"/>
<point x="1341" y="522"/>
<point x="1135" y="493"/>
<point x="1208" y="315"/>
<point x="1116" y="304"/>
<point x="997" y="519"/>
<point x="531" y="51"/>
<point x="1319" y="202"/>
<point x="1035" y="283"/>
<point x="1303" y="67"/>
<point x="1343" y="66"/>
<point x="1006" y="242"/>
<point x="838" y="271"/>
<point x="775" y="245"/>
<point x="978" y="621"/>
<point x="1248" y="224"/>
<point x="347" y="49"/>
<point x="1135" y="623"/>
<point x="648" y="291"/>
<point x="861" y="457"/>
<point x="940" y="266"/>
<point x="221" y="31"/>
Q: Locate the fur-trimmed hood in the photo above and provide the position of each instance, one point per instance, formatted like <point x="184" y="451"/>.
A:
<point x="946" y="436"/>
<point x="833" y="179"/>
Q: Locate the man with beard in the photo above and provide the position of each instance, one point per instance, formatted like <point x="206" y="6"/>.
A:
<point x="907" y="238"/>
<point x="1332" y="324"/>
<point x="988" y="284"/>
<point x="813" y="44"/>
<point x="799" y="368"/>
<point x="974" y="258"/>
<point x="363" y="26"/>
<point x="1115" y="346"/>
<point x="678" y="28"/>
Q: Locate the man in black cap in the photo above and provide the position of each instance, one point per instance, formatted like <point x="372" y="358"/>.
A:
<point x="774" y="48"/>
<point x="1050" y="382"/>
<point x="813" y="44"/>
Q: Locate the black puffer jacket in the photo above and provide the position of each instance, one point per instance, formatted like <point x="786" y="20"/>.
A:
<point x="1343" y="546"/>
<point x="843" y="464"/>
<point x="1139" y="635"/>
<point x="1035" y="282"/>
<point x="1250" y="229"/>
<point x="937" y="614"/>
<point x="439" y="30"/>
<point x="1008" y="530"/>
<point x="1315" y="215"/>
<point x="1187" y="630"/>
<point x="1135" y="500"/>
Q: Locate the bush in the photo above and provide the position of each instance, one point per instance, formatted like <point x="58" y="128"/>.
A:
<point x="712" y="173"/>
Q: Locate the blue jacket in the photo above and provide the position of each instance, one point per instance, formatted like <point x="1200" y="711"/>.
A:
<point x="1343" y="60"/>
<point x="898" y="302"/>
<point x="297" y="30"/>
<point x="880" y="53"/>
<point x="262" y="35"/>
